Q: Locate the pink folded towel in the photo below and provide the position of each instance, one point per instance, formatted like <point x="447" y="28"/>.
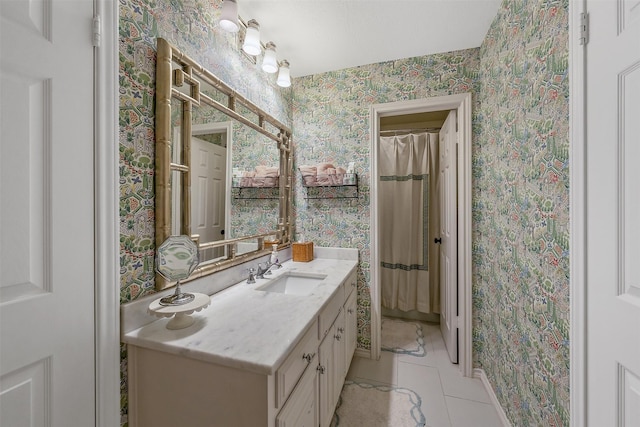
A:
<point x="247" y="179"/>
<point x="323" y="180"/>
<point x="322" y="168"/>
<point x="326" y="174"/>
<point x="331" y="176"/>
<point x="309" y="175"/>
<point x="271" y="177"/>
<point x="267" y="170"/>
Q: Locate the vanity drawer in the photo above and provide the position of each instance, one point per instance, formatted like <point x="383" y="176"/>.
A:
<point x="289" y="372"/>
<point x="301" y="410"/>
<point x="330" y="312"/>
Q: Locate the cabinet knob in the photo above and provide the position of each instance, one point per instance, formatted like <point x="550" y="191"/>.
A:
<point x="341" y="330"/>
<point x="308" y="357"/>
<point x="337" y="337"/>
<point x="320" y="369"/>
<point x="350" y="310"/>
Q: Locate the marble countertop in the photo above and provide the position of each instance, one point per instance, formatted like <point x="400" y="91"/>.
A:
<point x="246" y="328"/>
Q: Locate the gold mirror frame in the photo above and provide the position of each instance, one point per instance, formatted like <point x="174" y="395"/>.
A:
<point x="191" y="73"/>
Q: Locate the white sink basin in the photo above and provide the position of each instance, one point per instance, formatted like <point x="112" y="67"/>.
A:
<point x="293" y="283"/>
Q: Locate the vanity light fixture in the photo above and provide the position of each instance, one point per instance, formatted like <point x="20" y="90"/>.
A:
<point x="269" y="62"/>
<point x="252" y="38"/>
<point x="229" y="16"/>
<point x="284" y="78"/>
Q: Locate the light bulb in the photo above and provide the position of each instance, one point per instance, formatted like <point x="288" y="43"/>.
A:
<point x="269" y="62"/>
<point x="229" y="16"/>
<point x="284" y="78"/>
<point x="252" y="38"/>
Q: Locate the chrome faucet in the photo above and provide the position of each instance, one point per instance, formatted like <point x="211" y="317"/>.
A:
<point x="263" y="271"/>
<point x="272" y="262"/>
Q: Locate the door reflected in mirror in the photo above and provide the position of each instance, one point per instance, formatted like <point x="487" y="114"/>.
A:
<point x="210" y="154"/>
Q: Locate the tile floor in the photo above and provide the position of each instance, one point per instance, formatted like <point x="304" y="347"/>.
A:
<point x="448" y="398"/>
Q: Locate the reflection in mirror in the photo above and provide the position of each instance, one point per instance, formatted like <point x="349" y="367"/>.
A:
<point x="255" y="183"/>
<point x="176" y="194"/>
<point x="211" y="141"/>
<point x="210" y="195"/>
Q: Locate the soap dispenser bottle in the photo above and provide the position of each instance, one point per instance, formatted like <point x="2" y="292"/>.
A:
<point x="273" y="259"/>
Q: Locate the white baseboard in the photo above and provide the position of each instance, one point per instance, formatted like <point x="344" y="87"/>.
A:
<point x="480" y="374"/>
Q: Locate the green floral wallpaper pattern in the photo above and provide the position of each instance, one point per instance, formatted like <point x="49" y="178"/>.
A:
<point x="520" y="173"/>
<point x="521" y="212"/>
<point x="191" y="26"/>
<point x="520" y="191"/>
<point x="331" y="124"/>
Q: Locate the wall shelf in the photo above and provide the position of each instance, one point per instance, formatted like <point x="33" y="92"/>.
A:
<point x="254" y="188"/>
<point x="331" y="187"/>
<point x="255" y="193"/>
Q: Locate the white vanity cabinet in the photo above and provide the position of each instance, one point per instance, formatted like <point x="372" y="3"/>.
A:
<point x="336" y="351"/>
<point x="168" y="390"/>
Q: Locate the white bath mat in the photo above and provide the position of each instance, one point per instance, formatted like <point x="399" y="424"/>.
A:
<point x="366" y="405"/>
<point x="404" y="337"/>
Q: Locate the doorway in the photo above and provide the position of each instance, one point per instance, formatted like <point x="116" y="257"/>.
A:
<point x="461" y="104"/>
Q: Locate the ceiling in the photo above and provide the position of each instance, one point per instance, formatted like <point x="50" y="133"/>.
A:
<point x="325" y="35"/>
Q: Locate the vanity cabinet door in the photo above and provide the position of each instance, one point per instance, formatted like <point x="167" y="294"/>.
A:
<point x="351" y="327"/>
<point x="326" y="379"/>
<point x="301" y="410"/>
<point x="339" y="352"/>
<point x="332" y="369"/>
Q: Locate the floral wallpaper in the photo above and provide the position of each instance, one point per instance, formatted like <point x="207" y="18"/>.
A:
<point x="518" y="78"/>
<point x="191" y="26"/>
<point x="331" y="124"/>
<point x="521" y="212"/>
<point x="520" y="191"/>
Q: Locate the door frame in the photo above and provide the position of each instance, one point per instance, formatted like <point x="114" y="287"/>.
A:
<point x="578" y="280"/>
<point x="462" y="103"/>
<point x="106" y="217"/>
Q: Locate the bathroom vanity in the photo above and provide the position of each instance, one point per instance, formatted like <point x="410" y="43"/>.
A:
<point x="273" y="353"/>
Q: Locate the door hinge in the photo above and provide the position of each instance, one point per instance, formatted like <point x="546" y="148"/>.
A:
<point x="96" y="31"/>
<point x="584" y="29"/>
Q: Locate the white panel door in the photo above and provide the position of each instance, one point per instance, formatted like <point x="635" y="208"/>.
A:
<point x="47" y="374"/>
<point x="448" y="173"/>
<point x="208" y="187"/>
<point x="613" y="213"/>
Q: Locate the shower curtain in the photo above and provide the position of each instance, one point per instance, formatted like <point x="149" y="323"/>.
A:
<point x="408" y="221"/>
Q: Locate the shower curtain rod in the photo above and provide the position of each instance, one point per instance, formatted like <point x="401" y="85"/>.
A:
<point x="397" y="131"/>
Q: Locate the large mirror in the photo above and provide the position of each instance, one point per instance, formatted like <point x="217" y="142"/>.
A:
<point x="219" y="159"/>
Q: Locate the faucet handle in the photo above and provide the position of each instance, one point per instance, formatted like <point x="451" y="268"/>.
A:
<point x="252" y="275"/>
<point x="261" y="271"/>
